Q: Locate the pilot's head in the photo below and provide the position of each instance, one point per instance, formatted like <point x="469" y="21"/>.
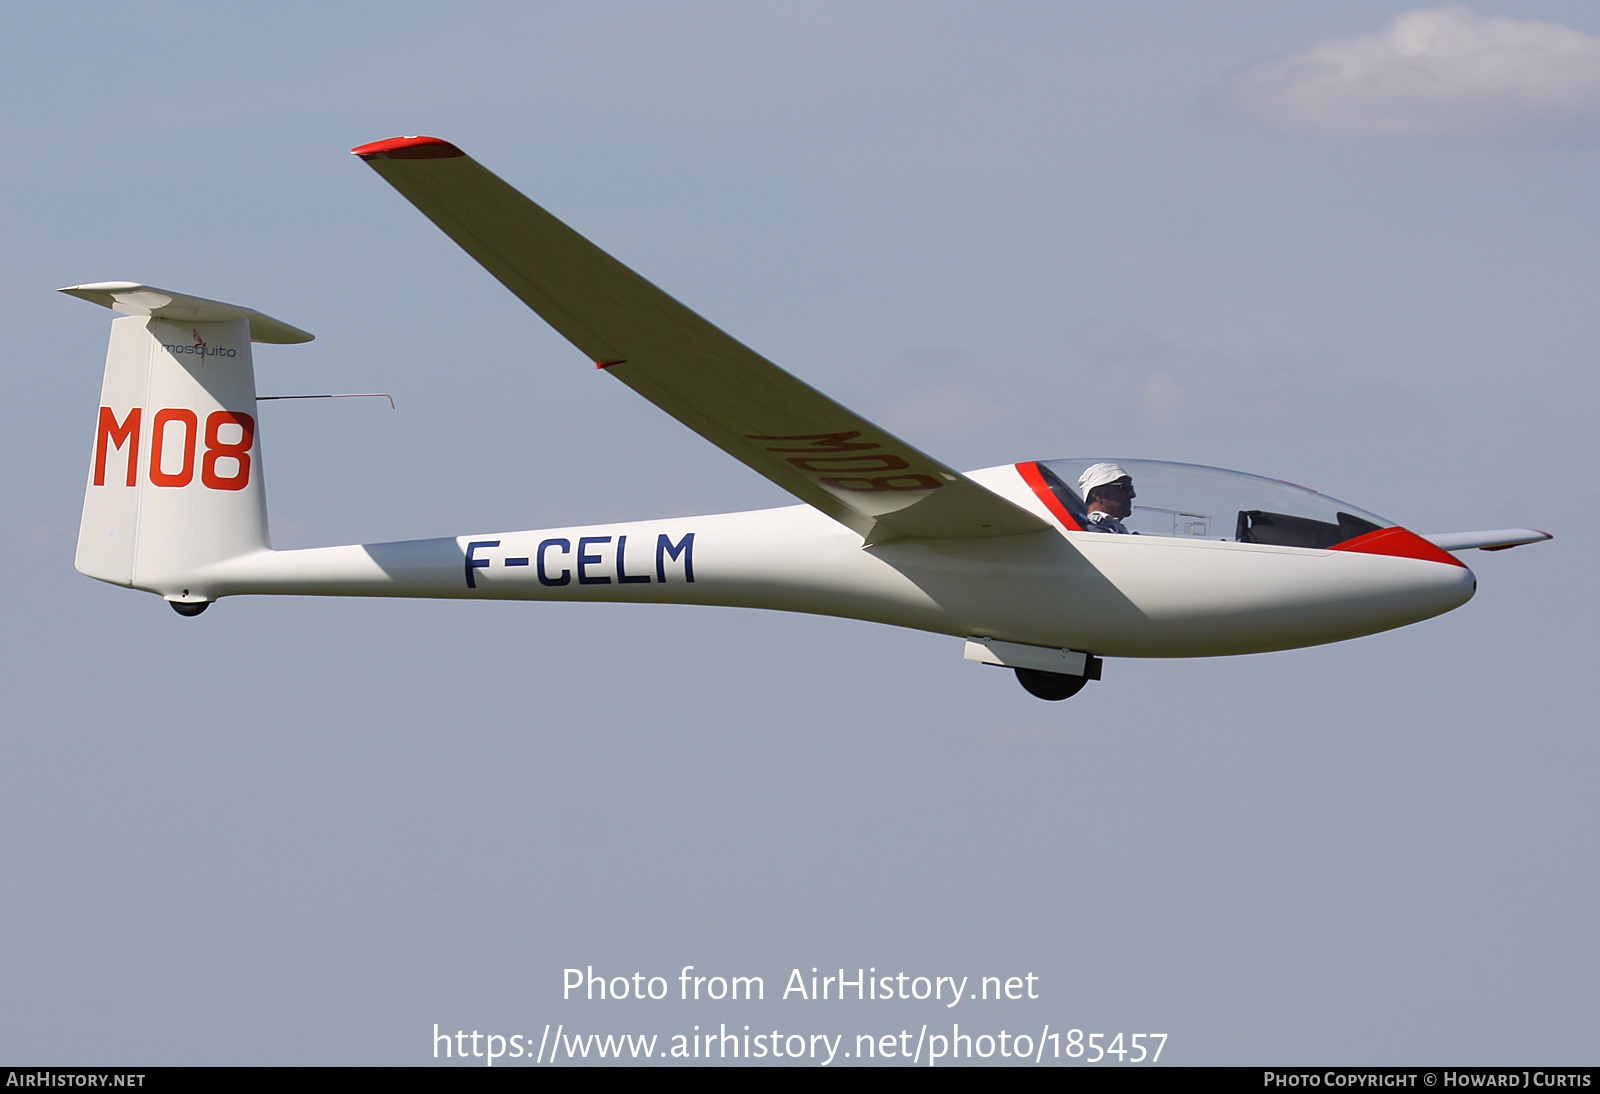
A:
<point x="1107" y="489"/>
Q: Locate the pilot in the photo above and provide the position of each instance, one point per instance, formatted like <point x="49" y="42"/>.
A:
<point x="1108" y="493"/>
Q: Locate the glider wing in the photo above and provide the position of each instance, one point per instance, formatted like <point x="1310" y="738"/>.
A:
<point x="1497" y="540"/>
<point x="861" y="475"/>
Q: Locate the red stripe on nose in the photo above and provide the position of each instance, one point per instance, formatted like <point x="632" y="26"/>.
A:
<point x="1401" y="544"/>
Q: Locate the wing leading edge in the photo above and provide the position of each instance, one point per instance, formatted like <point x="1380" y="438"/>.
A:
<point x="861" y="475"/>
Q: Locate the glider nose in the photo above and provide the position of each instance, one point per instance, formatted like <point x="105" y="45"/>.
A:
<point x="1409" y="590"/>
<point x="1455" y="585"/>
<point x="1436" y="586"/>
<point x="1412" y="578"/>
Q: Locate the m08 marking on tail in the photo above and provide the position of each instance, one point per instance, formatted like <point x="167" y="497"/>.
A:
<point x="165" y="443"/>
<point x="118" y="433"/>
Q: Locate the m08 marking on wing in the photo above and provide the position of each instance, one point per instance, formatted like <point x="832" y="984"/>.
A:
<point x="845" y="443"/>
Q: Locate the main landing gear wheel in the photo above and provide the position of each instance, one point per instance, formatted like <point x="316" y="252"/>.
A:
<point x="1056" y="686"/>
<point x="1053" y="686"/>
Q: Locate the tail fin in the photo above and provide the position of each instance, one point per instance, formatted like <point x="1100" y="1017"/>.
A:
<point x="175" y="476"/>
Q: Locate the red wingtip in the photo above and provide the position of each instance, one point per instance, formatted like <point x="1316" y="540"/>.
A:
<point x="409" y="148"/>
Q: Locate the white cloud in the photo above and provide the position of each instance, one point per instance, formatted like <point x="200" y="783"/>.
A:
<point x="1446" y="73"/>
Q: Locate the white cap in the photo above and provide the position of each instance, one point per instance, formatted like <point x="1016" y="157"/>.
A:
<point x="1099" y="475"/>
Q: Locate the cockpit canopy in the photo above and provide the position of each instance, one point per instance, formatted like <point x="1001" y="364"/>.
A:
<point x="1194" y="502"/>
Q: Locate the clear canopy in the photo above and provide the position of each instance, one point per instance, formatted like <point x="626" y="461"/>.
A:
<point x="1191" y="501"/>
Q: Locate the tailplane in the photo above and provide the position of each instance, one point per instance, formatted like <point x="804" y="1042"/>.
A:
<point x="175" y="473"/>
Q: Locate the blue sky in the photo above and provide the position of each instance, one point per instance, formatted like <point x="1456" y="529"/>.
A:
<point x="303" y="831"/>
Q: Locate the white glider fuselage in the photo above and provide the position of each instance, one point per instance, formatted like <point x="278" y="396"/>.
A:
<point x="175" y="505"/>
<point x="1118" y="596"/>
<point x="1222" y="562"/>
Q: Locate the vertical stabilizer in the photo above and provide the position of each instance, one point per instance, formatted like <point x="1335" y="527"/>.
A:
<point x="175" y="475"/>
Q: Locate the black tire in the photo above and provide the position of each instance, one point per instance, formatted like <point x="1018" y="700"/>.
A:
<point x="1053" y="686"/>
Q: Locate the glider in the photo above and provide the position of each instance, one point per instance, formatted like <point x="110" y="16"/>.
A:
<point x="1016" y="559"/>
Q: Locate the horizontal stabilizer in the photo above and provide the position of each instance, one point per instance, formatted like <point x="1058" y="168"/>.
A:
<point x="1497" y="540"/>
<point x="826" y="455"/>
<point x="131" y="299"/>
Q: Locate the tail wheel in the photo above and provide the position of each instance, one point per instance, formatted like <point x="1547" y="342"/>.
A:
<point x="1053" y="686"/>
